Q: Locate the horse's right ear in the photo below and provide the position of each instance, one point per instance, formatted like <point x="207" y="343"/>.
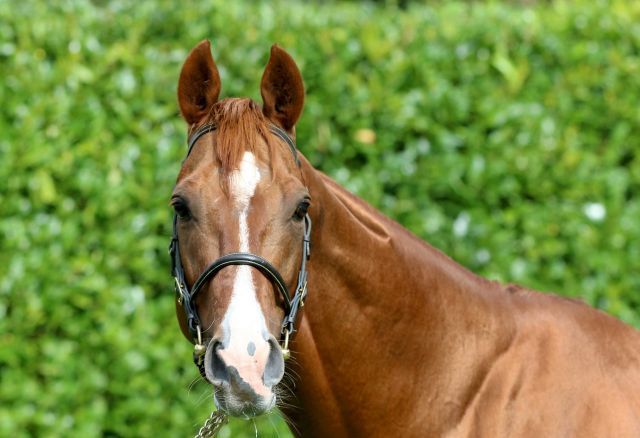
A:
<point x="199" y="84"/>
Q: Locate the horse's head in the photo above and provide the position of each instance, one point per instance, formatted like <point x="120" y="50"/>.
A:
<point x="240" y="190"/>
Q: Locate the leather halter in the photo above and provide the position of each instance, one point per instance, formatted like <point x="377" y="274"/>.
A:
<point x="186" y="296"/>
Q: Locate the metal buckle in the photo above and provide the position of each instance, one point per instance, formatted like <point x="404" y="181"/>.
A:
<point x="303" y="293"/>
<point x="199" y="349"/>
<point x="286" y="353"/>
<point x="180" y="290"/>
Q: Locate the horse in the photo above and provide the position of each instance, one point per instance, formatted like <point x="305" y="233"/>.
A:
<point x="395" y="338"/>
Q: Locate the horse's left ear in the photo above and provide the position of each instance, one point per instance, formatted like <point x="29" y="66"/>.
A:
<point x="282" y="89"/>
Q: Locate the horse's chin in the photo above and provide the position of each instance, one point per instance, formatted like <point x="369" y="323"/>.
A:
<point x="233" y="406"/>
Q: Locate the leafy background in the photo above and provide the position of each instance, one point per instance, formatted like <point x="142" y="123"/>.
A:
<point x="506" y="135"/>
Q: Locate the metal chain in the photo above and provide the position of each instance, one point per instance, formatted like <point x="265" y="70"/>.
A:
<point x="212" y="425"/>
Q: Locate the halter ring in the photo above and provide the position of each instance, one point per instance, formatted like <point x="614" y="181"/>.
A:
<point x="286" y="353"/>
<point x="199" y="349"/>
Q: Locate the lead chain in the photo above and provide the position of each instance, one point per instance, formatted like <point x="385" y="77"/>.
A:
<point x="212" y="425"/>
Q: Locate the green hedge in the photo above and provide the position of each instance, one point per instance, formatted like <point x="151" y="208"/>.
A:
<point x="508" y="137"/>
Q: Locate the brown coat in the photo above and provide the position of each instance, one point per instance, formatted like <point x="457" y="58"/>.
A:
<point x="397" y="339"/>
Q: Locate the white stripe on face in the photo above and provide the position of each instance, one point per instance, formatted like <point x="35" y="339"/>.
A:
<point x="244" y="329"/>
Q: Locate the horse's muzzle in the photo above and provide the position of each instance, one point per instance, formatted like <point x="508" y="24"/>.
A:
<point x="243" y="383"/>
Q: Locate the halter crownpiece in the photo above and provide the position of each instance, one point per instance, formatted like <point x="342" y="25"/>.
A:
<point x="186" y="296"/>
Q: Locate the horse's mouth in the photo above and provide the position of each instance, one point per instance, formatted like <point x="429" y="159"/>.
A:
<point x="234" y="406"/>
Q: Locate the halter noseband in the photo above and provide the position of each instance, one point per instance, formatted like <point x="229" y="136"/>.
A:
<point x="186" y="296"/>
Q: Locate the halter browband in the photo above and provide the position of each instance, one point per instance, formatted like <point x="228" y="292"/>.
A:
<point x="186" y="296"/>
<point x="209" y="127"/>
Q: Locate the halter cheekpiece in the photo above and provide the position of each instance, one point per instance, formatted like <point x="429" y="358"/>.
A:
<point x="186" y="296"/>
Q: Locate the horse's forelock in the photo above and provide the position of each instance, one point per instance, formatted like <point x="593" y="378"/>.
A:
<point x="240" y="124"/>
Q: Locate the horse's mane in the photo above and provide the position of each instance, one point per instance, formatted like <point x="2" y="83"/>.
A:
<point x="240" y="123"/>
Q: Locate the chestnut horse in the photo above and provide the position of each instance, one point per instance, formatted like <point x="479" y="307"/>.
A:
<point x="395" y="338"/>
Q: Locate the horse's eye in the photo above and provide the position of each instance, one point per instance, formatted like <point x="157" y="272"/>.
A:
<point x="181" y="209"/>
<point x="301" y="210"/>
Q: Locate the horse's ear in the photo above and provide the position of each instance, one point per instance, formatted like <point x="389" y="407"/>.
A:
<point x="199" y="84"/>
<point x="282" y="89"/>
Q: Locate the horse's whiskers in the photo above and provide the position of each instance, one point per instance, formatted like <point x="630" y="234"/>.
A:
<point x="290" y="423"/>
<point x="274" y="426"/>
<point x="193" y="383"/>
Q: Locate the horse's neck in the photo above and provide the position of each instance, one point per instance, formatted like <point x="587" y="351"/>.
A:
<point x="389" y="321"/>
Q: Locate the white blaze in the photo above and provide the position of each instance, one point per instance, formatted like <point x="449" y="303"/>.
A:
<point x="244" y="322"/>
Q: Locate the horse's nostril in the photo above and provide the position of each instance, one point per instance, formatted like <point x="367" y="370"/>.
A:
<point x="274" y="369"/>
<point x="217" y="369"/>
